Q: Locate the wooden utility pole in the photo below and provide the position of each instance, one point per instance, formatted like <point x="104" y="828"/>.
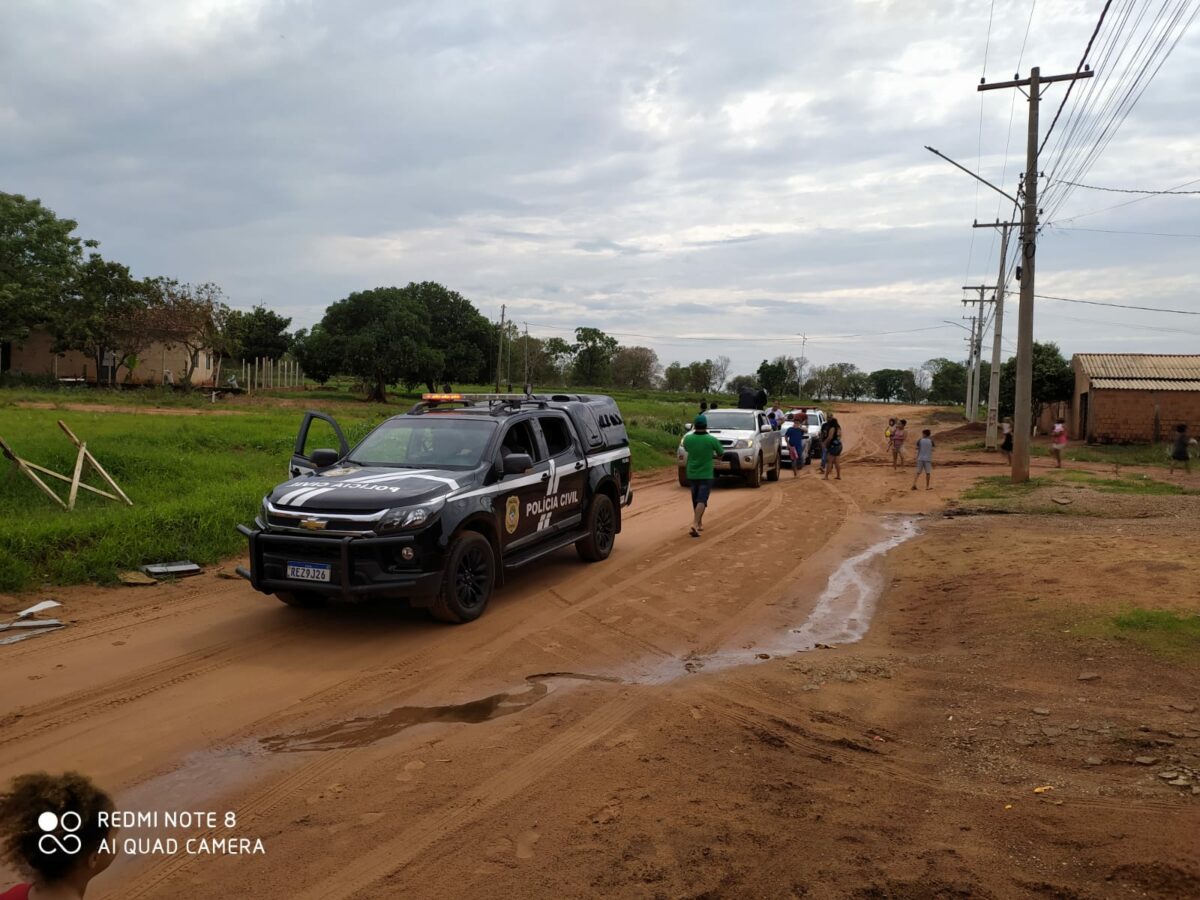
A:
<point x="993" y="413"/>
<point x="500" y="349"/>
<point x="970" y="371"/>
<point x="1023" y="401"/>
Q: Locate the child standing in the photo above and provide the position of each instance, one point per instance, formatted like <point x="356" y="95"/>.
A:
<point x="1179" y="449"/>
<point x="899" y="435"/>
<point x="924" y="459"/>
<point x="887" y="435"/>
<point x="1058" y="441"/>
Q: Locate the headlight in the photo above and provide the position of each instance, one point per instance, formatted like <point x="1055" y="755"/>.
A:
<point x="409" y="516"/>
<point x="743" y="443"/>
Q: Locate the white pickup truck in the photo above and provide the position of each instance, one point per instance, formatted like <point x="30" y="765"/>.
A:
<point x="752" y="446"/>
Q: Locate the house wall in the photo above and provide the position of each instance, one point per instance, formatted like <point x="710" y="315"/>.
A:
<point x="35" y="357"/>
<point x="1075" y="423"/>
<point x="1119" y="416"/>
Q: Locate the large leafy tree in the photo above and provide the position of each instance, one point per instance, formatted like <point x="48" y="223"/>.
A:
<point x="1052" y="380"/>
<point x="191" y="316"/>
<point x="39" y="261"/>
<point x="105" y="311"/>
<point x="888" y="384"/>
<point x="258" y="333"/>
<point x="594" y="352"/>
<point x="317" y="353"/>
<point x="380" y="336"/>
<point x="460" y="342"/>
<point x="675" y="377"/>
<point x="635" y="367"/>
<point x="773" y="376"/>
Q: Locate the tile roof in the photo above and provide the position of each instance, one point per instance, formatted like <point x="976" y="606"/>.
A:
<point x="1140" y="366"/>
<point x="1144" y="384"/>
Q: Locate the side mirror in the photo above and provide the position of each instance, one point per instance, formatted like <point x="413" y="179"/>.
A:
<point x="324" y="458"/>
<point x="687" y="427"/>
<point x="767" y="429"/>
<point x="517" y="463"/>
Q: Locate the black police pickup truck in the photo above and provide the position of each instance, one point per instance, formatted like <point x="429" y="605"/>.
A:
<point x="433" y="506"/>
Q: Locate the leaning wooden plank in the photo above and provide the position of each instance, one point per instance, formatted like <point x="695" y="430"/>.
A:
<point x="84" y="485"/>
<point x="79" y="457"/>
<point x="21" y="464"/>
<point x="96" y="465"/>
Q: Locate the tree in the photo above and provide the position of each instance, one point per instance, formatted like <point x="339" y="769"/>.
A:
<point x="380" y="336"/>
<point x="560" y="357"/>
<point x="856" y="385"/>
<point x="461" y="342"/>
<point x="39" y="259"/>
<point x="822" y="382"/>
<point x="635" y="367"/>
<point x="317" y="353"/>
<point x="948" y="381"/>
<point x="911" y="390"/>
<point x="888" y="384"/>
<point x="839" y="375"/>
<point x="1052" y="380"/>
<point x="773" y="376"/>
<point x="737" y="382"/>
<point x="700" y="376"/>
<point x="189" y="316"/>
<point x="720" y="372"/>
<point x="594" y="351"/>
<point x="258" y="333"/>
<point x="675" y="377"/>
<point x="101" y="314"/>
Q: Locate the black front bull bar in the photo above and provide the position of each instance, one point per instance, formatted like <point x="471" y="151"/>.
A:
<point x="414" y="585"/>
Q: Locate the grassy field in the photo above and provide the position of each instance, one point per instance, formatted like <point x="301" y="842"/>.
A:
<point x="193" y="475"/>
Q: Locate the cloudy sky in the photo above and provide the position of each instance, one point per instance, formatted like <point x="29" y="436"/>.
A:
<point x="699" y="177"/>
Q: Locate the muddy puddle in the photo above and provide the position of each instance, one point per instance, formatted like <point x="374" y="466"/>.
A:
<point x="369" y="729"/>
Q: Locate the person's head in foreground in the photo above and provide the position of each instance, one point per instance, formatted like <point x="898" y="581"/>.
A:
<point x="700" y="424"/>
<point x="50" y="829"/>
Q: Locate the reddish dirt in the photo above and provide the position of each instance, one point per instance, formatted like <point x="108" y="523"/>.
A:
<point x="378" y="754"/>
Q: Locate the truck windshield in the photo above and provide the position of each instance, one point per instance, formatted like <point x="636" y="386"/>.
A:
<point x="426" y="442"/>
<point x="738" y="420"/>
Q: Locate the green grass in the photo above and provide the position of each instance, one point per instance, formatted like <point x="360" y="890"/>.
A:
<point x="191" y="478"/>
<point x="1001" y="487"/>
<point x="1159" y="631"/>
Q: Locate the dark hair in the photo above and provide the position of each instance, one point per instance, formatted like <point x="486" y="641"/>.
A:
<point x="21" y="833"/>
<point x="926" y="432"/>
<point x="1181" y="427"/>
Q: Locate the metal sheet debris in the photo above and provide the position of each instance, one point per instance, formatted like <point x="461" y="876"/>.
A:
<point x="177" y="569"/>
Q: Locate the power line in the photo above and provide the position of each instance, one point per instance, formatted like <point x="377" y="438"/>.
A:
<point x="1171" y="234"/>
<point x="735" y="339"/>
<point x="1092" y="187"/>
<point x="1079" y="68"/>
<point x="1123" y="203"/>
<point x="1179" y="312"/>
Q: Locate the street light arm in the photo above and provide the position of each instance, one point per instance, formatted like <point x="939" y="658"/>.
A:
<point x="972" y="174"/>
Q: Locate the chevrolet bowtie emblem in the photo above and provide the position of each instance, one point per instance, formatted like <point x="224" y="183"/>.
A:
<point x="312" y="524"/>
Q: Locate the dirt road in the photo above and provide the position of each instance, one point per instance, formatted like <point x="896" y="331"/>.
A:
<point x="635" y="728"/>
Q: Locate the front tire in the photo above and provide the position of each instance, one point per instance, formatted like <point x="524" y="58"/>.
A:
<point x="773" y="474"/>
<point x="467" y="580"/>
<point x="302" y="599"/>
<point x="683" y="479"/>
<point x="601" y="520"/>
<point x="755" y="478"/>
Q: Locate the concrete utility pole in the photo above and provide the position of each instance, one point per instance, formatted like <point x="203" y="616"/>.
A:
<point x="1023" y="401"/>
<point x="525" y="382"/>
<point x="800" y="369"/>
<point x="500" y="349"/>
<point x="970" y="371"/>
<point x="975" y="362"/>
<point x="993" y="413"/>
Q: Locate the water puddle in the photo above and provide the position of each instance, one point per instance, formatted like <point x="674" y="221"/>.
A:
<point x="369" y="729"/>
<point x="842" y="615"/>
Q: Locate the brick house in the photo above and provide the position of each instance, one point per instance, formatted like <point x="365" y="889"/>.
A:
<point x="35" y="356"/>
<point x="1133" y="397"/>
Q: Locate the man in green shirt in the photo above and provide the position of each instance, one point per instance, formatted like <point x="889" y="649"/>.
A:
<point x="701" y="448"/>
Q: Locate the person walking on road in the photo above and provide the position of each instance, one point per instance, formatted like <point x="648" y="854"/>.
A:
<point x="797" y="439"/>
<point x="1058" y="441"/>
<point x="701" y="448"/>
<point x="823" y="443"/>
<point x="899" y="436"/>
<point x="1006" y="440"/>
<point x="924" y="459"/>
<point x="52" y="826"/>
<point x="833" y="449"/>
<point x="1179" y="449"/>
